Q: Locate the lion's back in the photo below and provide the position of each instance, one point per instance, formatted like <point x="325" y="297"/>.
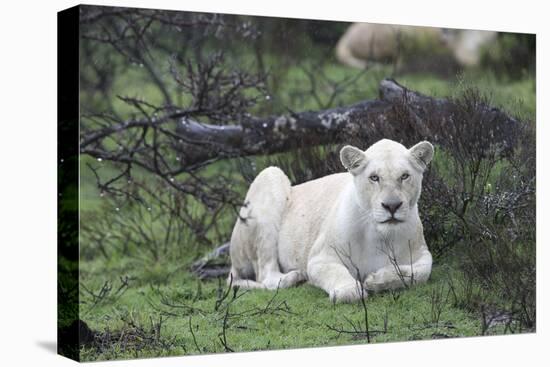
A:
<point x="310" y="203"/>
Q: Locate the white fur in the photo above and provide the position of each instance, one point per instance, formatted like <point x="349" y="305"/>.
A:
<point x="366" y="42"/>
<point x="467" y="45"/>
<point x="332" y="232"/>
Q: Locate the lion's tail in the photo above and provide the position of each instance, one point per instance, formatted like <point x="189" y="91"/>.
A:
<point x="254" y="240"/>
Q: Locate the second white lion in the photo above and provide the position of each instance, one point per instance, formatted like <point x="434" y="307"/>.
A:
<point x="345" y="233"/>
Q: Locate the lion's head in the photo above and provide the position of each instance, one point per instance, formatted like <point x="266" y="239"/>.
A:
<point x="387" y="178"/>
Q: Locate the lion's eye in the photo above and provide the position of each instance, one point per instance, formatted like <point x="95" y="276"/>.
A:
<point x="374" y="178"/>
<point x="404" y="176"/>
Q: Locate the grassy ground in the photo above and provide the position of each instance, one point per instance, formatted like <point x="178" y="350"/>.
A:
<point x="193" y="316"/>
<point x="142" y="307"/>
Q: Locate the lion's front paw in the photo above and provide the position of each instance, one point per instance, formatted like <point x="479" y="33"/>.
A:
<point x="384" y="279"/>
<point x="347" y="294"/>
<point x="375" y="282"/>
<point x="292" y="279"/>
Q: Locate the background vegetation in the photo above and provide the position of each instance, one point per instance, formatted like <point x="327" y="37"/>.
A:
<point x="141" y="233"/>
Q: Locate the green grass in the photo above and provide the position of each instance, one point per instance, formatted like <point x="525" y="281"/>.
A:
<point x="289" y="318"/>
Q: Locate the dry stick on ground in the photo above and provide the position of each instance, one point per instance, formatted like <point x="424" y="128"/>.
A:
<point x="105" y="292"/>
<point x="131" y="337"/>
<point x="346" y="260"/>
<point x="183" y="308"/>
<point x="437" y="304"/>
<point x="193" y="335"/>
<point x="223" y="336"/>
<point x="270" y="308"/>
<point x="223" y="296"/>
<point x="222" y="308"/>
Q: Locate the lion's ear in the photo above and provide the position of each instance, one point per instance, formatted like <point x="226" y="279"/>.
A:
<point x="422" y="153"/>
<point x="353" y="159"/>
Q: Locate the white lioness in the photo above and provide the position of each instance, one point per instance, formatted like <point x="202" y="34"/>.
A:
<point x="345" y="233"/>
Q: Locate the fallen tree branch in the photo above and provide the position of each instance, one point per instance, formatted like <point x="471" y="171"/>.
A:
<point x="209" y="265"/>
<point x="281" y="133"/>
<point x="398" y="111"/>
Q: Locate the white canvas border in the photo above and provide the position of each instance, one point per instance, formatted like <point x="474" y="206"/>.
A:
<point x="28" y="181"/>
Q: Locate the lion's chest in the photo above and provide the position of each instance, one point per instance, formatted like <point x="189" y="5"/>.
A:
<point x="372" y="250"/>
<point x="366" y="253"/>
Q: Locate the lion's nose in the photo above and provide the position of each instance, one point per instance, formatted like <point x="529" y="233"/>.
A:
<point x="392" y="206"/>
